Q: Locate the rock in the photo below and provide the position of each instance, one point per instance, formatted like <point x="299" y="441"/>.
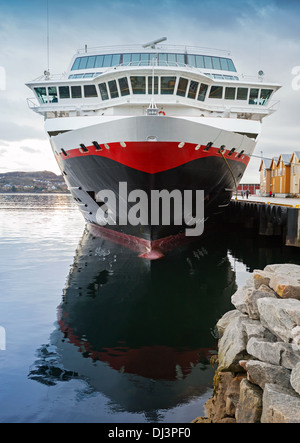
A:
<point x="261" y="373"/>
<point x="279" y="353"/>
<point x="253" y="296"/>
<point x="216" y="406"/>
<point x="287" y="269"/>
<point x="238" y="299"/>
<point x="249" y="408"/>
<point x="295" y="378"/>
<point x="280" y="405"/>
<point x="232" y="346"/>
<point x="280" y="316"/>
<point x="285" y="286"/>
<point x="225" y="320"/>
<point x="201" y="420"/>
<point x="261" y="278"/>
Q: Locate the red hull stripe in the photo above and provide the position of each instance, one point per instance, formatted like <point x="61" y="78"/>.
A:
<point x="152" y="157"/>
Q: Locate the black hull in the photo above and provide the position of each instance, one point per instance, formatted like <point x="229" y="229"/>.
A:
<point x="86" y="176"/>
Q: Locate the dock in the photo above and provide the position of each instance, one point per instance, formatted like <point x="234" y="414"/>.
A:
<point x="269" y="216"/>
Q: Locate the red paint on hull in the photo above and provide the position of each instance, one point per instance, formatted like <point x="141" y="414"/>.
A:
<point x="152" y="157"/>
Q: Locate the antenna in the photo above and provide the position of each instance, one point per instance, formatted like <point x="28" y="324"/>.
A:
<point x="154" y="43"/>
<point x="48" y="45"/>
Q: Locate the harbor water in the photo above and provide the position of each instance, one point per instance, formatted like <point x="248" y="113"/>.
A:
<point x="90" y="332"/>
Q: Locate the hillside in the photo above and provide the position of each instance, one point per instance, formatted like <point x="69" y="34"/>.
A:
<point x="36" y="181"/>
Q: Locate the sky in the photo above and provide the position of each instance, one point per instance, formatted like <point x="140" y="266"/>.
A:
<point x="260" y="34"/>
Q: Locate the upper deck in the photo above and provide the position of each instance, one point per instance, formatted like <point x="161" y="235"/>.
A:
<point x="125" y="80"/>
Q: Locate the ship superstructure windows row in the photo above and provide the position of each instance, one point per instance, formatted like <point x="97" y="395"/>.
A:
<point x="164" y="85"/>
<point x="146" y="59"/>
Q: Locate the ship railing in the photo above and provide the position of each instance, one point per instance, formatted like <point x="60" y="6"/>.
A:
<point x="139" y="48"/>
<point x="51" y="77"/>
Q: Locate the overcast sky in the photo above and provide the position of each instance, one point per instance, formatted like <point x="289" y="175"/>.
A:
<point x="261" y="34"/>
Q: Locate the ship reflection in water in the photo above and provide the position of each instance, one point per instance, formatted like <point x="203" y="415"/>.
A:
<point x="140" y="332"/>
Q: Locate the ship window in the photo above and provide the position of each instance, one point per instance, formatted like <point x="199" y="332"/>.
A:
<point x="182" y="85"/>
<point x="83" y="62"/>
<point x="42" y="94"/>
<point x="135" y="59"/>
<point x="172" y="59"/>
<point x="145" y="59"/>
<point x="253" y="97"/>
<point x="208" y="62"/>
<point x="64" y="92"/>
<point x="216" y="63"/>
<point x="242" y="94"/>
<point x="76" y="64"/>
<point x="52" y="92"/>
<point x="126" y="59"/>
<point x="91" y="62"/>
<point x="200" y="61"/>
<point x="99" y="61"/>
<point x="162" y="59"/>
<point x="230" y="93"/>
<point x="180" y="59"/>
<point x="76" y="91"/>
<point x="193" y="89"/>
<point x="150" y="80"/>
<point x="265" y="94"/>
<point x="115" y="60"/>
<point x="216" y="92"/>
<point x="191" y="60"/>
<point x="90" y="91"/>
<point x="202" y="92"/>
<point x="107" y="61"/>
<point x="167" y="85"/>
<point x="231" y="65"/>
<point x="113" y="89"/>
<point x="224" y="64"/>
<point x="124" y="87"/>
<point x="138" y="85"/>
<point x="103" y="91"/>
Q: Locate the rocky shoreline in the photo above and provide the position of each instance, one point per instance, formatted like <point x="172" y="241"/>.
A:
<point x="258" y="375"/>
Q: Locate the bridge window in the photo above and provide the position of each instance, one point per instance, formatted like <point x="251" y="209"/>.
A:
<point x="193" y="89"/>
<point x="208" y="62"/>
<point x="76" y="64"/>
<point x="116" y="59"/>
<point x="145" y="59"/>
<point x="91" y="62"/>
<point x="265" y="94"/>
<point x="99" y="61"/>
<point x="253" y="97"/>
<point x="52" y="92"/>
<point x="126" y="59"/>
<point x="216" y="63"/>
<point x="42" y="94"/>
<point x="191" y="60"/>
<point x="216" y="92"/>
<point x="83" y="63"/>
<point x="90" y="91"/>
<point x="124" y="87"/>
<point x="199" y="61"/>
<point x="224" y="64"/>
<point x="107" y="61"/>
<point x="113" y="89"/>
<point x="182" y="85"/>
<point x="230" y="93"/>
<point x="167" y="85"/>
<point x="202" y="92"/>
<point x="138" y="84"/>
<point x="135" y="59"/>
<point x="242" y="94"/>
<point x="180" y="59"/>
<point x="103" y="91"/>
<point x="172" y="59"/>
<point x="76" y="91"/>
<point x="162" y="59"/>
<point x="64" y="92"/>
<point x="150" y="81"/>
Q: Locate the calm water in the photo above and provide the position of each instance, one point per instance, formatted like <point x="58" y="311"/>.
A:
<point x="95" y="333"/>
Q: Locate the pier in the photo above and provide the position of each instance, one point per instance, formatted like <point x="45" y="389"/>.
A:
<point x="268" y="216"/>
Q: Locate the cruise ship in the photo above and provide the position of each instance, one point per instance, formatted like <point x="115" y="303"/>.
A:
<point x="125" y="122"/>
